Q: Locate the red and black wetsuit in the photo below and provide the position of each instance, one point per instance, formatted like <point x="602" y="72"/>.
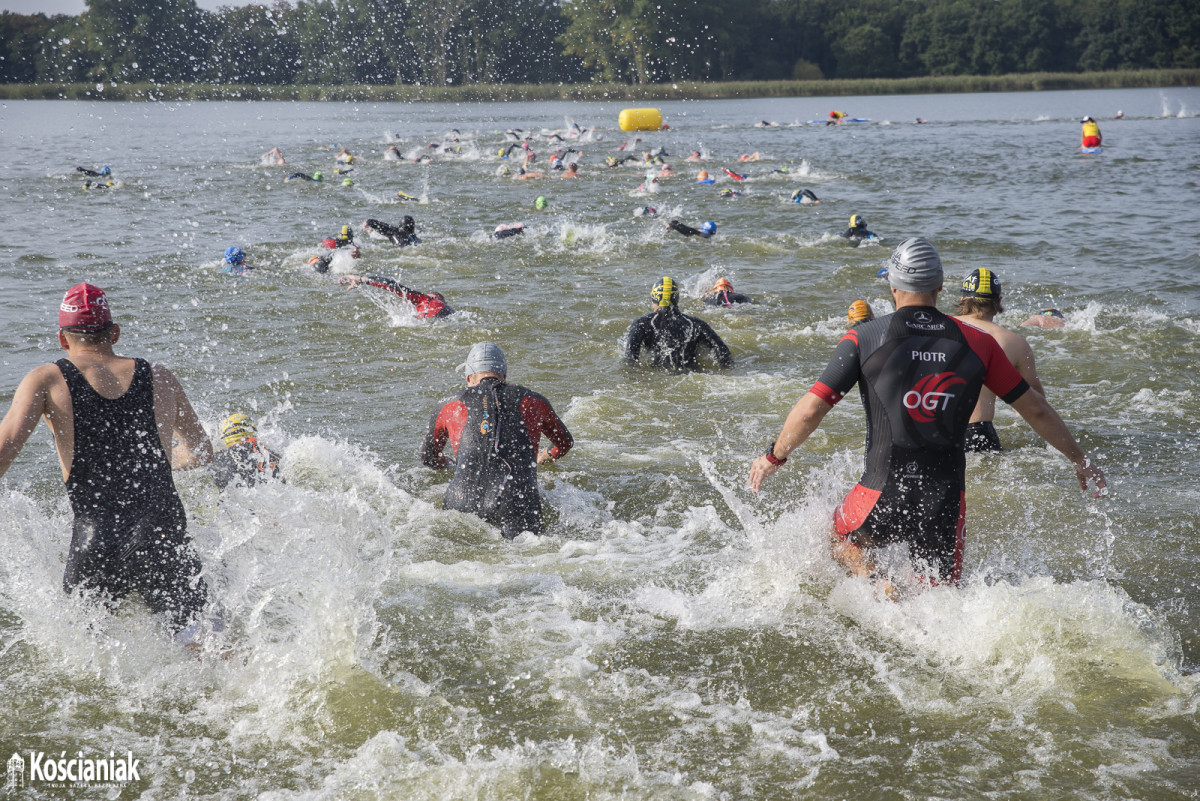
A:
<point x="424" y="305"/>
<point x="130" y="531"/>
<point x="920" y="373"/>
<point x="494" y="429"/>
<point x="673" y="340"/>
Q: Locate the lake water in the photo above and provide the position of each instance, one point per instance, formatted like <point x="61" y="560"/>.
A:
<point x="672" y="636"/>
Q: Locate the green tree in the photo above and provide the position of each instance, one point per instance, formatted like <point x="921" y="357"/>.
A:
<point x="252" y="45"/>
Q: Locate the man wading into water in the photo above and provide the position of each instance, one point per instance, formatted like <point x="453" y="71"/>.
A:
<point x="920" y="373"/>
<point x="495" y="429"/>
<point x="113" y="420"/>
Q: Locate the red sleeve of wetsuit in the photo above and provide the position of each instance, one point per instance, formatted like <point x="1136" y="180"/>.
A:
<point x="446" y="426"/>
<point x="1001" y="378"/>
<point x="539" y="419"/>
<point x="842" y="372"/>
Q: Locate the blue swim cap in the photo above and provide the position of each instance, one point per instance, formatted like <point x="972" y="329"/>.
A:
<point x="234" y="255"/>
<point x="106" y="171"/>
<point x="709" y="227"/>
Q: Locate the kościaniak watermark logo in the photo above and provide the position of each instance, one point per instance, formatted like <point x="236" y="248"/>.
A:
<point x="59" y="770"/>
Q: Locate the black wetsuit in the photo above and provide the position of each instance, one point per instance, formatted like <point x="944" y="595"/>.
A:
<point x="130" y="531"/>
<point x="92" y="173"/>
<point x="617" y="162"/>
<point x="857" y="235"/>
<point x="494" y="429"/>
<point x="246" y="463"/>
<point x="686" y="230"/>
<point x="919" y="373"/>
<point x="726" y="298"/>
<point x="673" y="340"/>
<point x="302" y="176"/>
<point x="982" y="438"/>
<point x="505" y="233"/>
<point x="403" y="234"/>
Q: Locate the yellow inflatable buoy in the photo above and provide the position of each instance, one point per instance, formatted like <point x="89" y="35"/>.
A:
<point x="640" y="119"/>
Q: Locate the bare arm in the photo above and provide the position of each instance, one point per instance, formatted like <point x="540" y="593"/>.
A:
<point x="28" y="405"/>
<point x="1046" y="422"/>
<point x="192" y="447"/>
<point x="801" y="422"/>
<point x="1026" y="366"/>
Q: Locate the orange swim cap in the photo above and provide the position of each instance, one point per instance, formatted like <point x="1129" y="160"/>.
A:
<point x="859" y="312"/>
<point x="702" y="175"/>
<point x="722" y="285"/>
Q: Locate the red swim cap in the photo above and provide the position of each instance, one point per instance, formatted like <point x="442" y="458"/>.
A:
<point x="84" y="308"/>
<point x="328" y="242"/>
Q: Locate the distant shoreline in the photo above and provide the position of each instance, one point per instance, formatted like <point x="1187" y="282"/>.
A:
<point x="412" y="93"/>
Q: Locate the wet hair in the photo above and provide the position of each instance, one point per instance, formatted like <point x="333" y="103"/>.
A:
<point x="90" y="337"/>
<point x="977" y="305"/>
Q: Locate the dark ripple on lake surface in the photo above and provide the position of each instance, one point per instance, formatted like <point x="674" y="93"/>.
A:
<point x="672" y="636"/>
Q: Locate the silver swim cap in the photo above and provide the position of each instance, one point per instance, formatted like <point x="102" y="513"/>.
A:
<point x="915" y="267"/>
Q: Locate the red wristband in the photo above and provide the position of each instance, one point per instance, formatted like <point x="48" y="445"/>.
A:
<point x="772" y="458"/>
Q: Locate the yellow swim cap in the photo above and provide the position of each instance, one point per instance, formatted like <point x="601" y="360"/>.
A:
<point x="237" y="428"/>
<point x="665" y="293"/>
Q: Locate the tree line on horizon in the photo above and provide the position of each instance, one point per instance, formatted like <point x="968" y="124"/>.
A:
<point x="457" y="42"/>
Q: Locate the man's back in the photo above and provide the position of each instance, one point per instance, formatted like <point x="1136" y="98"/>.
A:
<point x="673" y="340"/>
<point x="920" y="373"/>
<point x="1019" y="354"/>
<point x="494" y="428"/>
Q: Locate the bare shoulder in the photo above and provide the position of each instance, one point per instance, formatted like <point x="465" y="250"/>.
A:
<point x="43" y="377"/>
<point x="165" y="380"/>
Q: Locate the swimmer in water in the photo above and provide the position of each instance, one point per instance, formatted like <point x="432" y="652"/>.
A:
<point x="109" y="184"/>
<point x="235" y="261"/>
<point x="505" y="230"/>
<point x="705" y="231"/>
<point x="645" y="211"/>
<point x="672" y="339"/>
<point x="103" y="172"/>
<point x="344" y="237"/>
<point x="857" y="232"/>
<point x="392" y="154"/>
<point x="495" y="429"/>
<point x="322" y="264"/>
<point x="541" y="203"/>
<point x="425" y="306"/>
<point x="755" y="156"/>
<point x="403" y="234"/>
<point x="613" y="161"/>
<point x="722" y="294"/>
<point x="273" y="158"/>
<point x="244" y="460"/>
<point x="978" y="305"/>
<point x="1046" y="318"/>
<point x="695" y="156"/>
<point x="859" y="312"/>
<point x="805" y="197"/>
<point x="344" y="156"/>
<point x="572" y="171"/>
<point x="316" y="177"/>
<point x="703" y="177"/>
<point x="729" y="194"/>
